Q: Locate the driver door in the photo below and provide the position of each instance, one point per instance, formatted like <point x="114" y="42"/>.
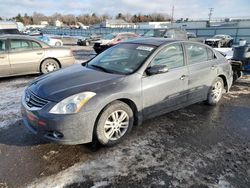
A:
<point x="164" y="92"/>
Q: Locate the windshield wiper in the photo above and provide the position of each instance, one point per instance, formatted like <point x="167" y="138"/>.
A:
<point x="101" y="68"/>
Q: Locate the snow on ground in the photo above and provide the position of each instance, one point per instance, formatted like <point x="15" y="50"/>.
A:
<point x="136" y="158"/>
<point x="11" y="90"/>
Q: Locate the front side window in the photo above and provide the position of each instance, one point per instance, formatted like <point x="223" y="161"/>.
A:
<point x="210" y="54"/>
<point x="172" y="56"/>
<point x="196" y="53"/>
<point x="2" y="46"/>
<point x="36" y="45"/>
<point x="17" y="45"/>
<point x="122" y="58"/>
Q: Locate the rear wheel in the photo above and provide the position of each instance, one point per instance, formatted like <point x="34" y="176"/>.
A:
<point x="49" y="65"/>
<point x="114" y="123"/>
<point x="58" y="44"/>
<point x="215" y="92"/>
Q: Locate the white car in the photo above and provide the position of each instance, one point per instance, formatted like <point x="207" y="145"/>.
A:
<point x="50" y="41"/>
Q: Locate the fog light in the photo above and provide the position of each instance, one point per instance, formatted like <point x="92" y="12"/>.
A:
<point x="57" y="135"/>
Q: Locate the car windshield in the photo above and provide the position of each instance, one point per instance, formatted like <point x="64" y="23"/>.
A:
<point x="109" y="36"/>
<point x="124" y="58"/>
<point x="219" y="36"/>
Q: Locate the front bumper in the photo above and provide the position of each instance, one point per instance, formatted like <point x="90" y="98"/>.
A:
<point x="73" y="128"/>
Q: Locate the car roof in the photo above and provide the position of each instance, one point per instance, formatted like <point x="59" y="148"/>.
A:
<point x="10" y="36"/>
<point x="154" y="41"/>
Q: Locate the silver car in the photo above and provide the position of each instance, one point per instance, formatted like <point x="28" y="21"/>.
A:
<point x="21" y="55"/>
<point x="124" y="85"/>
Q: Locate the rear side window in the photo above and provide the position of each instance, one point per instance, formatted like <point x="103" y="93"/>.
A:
<point x="196" y="53"/>
<point x="2" y="46"/>
<point x="17" y="45"/>
<point x="171" y="56"/>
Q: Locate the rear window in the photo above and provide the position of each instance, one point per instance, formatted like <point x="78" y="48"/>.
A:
<point x="9" y="31"/>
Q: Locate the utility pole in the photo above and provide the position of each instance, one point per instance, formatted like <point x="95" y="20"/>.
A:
<point x="210" y="14"/>
<point x="172" y="17"/>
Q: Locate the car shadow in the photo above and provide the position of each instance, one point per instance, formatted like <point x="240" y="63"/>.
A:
<point x="18" y="135"/>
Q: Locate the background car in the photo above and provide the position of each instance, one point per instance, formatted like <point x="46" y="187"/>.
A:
<point x="21" y="55"/>
<point x="111" y="40"/>
<point x="89" y="40"/>
<point x="172" y="33"/>
<point x="193" y="37"/>
<point x="124" y="85"/>
<point x="220" y="41"/>
<point x="50" y="40"/>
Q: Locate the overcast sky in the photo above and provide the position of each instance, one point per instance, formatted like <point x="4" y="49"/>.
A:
<point x="183" y="8"/>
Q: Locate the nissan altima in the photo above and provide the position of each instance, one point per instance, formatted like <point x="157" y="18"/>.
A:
<point x="124" y="85"/>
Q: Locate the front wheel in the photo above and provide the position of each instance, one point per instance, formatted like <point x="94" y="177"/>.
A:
<point x="215" y="92"/>
<point x="114" y="123"/>
<point x="49" y="65"/>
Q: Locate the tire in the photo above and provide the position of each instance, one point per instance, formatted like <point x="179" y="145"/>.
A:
<point x="49" y="65"/>
<point x="215" y="92"/>
<point x="109" y="129"/>
<point x="58" y="44"/>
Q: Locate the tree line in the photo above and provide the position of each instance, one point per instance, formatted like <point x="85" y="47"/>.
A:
<point x="88" y="19"/>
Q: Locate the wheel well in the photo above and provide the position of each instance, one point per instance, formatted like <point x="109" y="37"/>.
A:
<point x="129" y="102"/>
<point x="224" y="81"/>
<point x="50" y="58"/>
<point x="132" y="105"/>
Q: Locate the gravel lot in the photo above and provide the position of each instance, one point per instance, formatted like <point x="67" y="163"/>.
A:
<point x="198" y="146"/>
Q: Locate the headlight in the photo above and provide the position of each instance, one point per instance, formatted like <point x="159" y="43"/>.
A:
<point x="72" y="104"/>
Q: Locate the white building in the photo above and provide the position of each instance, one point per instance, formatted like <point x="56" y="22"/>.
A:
<point x="58" y="23"/>
<point x="153" y="25"/>
<point x="119" y="23"/>
<point x="44" y="23"/>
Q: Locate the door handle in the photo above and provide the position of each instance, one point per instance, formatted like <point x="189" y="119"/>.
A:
<point x="213" y="67"/>
<point x="2" y="57"/>
<point x="39" y="53"/>
<point x="183" y="77"/>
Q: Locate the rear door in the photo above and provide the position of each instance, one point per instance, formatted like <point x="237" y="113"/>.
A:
<point x="166" y="91"/>
<point x="25" y="56"/>
<point x="4" y="59"/>
<point x="202" y="66"/>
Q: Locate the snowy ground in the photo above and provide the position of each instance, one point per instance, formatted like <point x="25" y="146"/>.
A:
<point x="10" y="97"/>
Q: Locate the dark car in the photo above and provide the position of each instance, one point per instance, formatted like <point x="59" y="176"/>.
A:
<point x="89" y="40"/>
<point x="220" y="41"/>
<point x="124" y="85"/>
<point x="172" y="33"/>
<point x="111" y="40"/>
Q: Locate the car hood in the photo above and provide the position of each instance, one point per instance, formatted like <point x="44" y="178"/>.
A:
<point x="72" y="80"/>
<point x="213" y="40"/>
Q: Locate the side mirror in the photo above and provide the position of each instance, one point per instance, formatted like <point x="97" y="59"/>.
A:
<point x="157" y="69"/>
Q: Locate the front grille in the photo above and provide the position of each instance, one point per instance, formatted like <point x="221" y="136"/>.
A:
<point x="33" y="101"/>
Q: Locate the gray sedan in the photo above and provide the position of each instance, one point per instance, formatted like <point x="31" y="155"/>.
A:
<point x="20" y="54"/>
<point x="126" y="84"/>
